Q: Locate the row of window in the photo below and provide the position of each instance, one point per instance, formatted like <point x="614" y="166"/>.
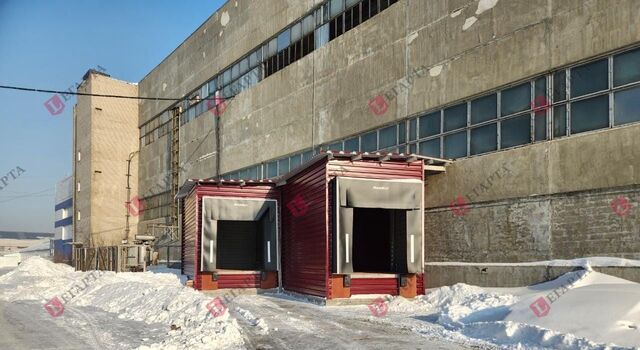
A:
<point x="600" y="94"/>
<point x="325" y="23"/>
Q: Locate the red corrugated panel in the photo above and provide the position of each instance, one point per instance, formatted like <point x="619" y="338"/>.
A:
<point x="305" y="253"/>
<point x="191" y="247"/>
<point x="374" y="286"/>
<point x="420" y="284"/>
<point x="239" y="281"/>
<point x="189" y="235"/>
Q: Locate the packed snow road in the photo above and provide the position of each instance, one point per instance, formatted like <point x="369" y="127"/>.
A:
<point x="279" y="322"/>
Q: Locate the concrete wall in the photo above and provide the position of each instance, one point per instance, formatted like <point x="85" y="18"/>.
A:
<point x="555" y="201"/>
<point x="106" y="133"/>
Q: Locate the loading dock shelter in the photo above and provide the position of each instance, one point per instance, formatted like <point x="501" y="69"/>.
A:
<point x="230" y="233"/>
<point x="354" y="224"/>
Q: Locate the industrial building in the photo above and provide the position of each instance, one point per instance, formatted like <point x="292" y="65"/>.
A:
<point x="536" y="101"/>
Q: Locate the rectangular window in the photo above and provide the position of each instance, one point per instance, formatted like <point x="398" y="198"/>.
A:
<point x="369" y="142"/>
<point x="283" y="166"/>
<point x="322" y="36"/>
<point x="244" y="65"/>
<point x="430" y="124"/>
<point x="336" y="146"/>
<point x="627" y="106"/>
<point x="540" y="125"/>
<point x="515" y="131"/>
<point x="296" y="32"/>
<point x="212" y="86"/>
<point x="516" y="99"/>
<point x="626" y="68"/>
<point x="559" y="86"/>
<point x="484" y="108"/>
<point x="307" y="25"/>
<point x="284" y="40"/>
<point x="402" y="132"/>
<point x="455" y="117"/>
<point x="590" y="78"/>
<point x="336" y="7"/>
<point x="235" y="71"/>
<point x="430" y="148"/>
<point x="455" y="145"/>
<point x="484" y="139"/>
<point x="413" y="126"/>
<point x="388" y="137"/>
<point x="352" y="144"/>
<point x="296" y="161"/>
<point x="306" y="156"/>
<point x="590" y="114"/>
<point x="272" y="169"/>
<point x="560" y="121"/>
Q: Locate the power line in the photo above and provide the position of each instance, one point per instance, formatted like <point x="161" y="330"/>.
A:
<point x="104" y="95"/>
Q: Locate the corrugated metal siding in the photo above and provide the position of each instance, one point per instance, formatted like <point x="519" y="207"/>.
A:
<point x="305" y="253"/>
<point x="189" y="235"/>
<point x="239" y="281"/>
<point x="261" y="191"/>
<point x="420" y="284"/>
<point x="374" y="286"/>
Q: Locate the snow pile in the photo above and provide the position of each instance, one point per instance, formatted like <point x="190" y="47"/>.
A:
<point x="595" y="261"/>
<point x="146" y="297"/>
<point x="580" y="310"/>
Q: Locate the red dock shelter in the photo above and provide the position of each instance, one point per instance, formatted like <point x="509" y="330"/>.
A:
<point x="353" y="223"/>
<point x="230" y="233"/>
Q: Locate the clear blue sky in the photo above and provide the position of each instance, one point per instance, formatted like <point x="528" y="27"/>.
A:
<point x="50" y="44"/>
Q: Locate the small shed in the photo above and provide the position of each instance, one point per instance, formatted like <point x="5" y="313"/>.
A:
<point x="230" y="233"/>
<point x="353" y="223"/>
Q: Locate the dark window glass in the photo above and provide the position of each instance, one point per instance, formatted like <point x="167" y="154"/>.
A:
<point x="455" y="146"/>
<point x="590" y="114"/>
<point x="212" y="86"/>
<point x="365" y="10"/>
<point x="484" y="139"/>
<point x="413" y="148"/>
<point x="373" y="8"/>
<point x="589" y="78"/>
<point x="484" y="108"/>
<point x="626" y="67"/>
<point x="430" y="148"/>
<point x="306" y="156"/>
<point x="283" y="166"/>
<point x="253" y="173"/>
<point x="296" y="161"/>
<point x="413" y="126"/>
<point x="348" y="20"/>
<point x="235" y="71"/>
<point x="388" y="137"/>
<point x="540" y="124"/>
<point x="516" y="99"/>
<point x="369" y="142"/>
<point x="560" y="121"/>
<point x="455" y="117"/>
<point x="627" y="106"/>
<point x="515" y="131"/>
<point x="272" y="169"/>
<point x="430" y="124"/>
<point x="402" y="132"/>
<point x="559" y="86"/>
<point x="337" y="146"/>
<point x="352" y="144"/>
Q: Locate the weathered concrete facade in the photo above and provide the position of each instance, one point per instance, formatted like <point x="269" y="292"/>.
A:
<point x="105" y="134"/>
<point x="553" y="202"/>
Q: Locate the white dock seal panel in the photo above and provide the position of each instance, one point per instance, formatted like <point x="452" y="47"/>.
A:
<point x="262" y="211"/>
<point x="405" y="197"/>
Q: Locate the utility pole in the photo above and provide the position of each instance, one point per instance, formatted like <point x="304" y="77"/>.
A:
<point x="127" y="229"/>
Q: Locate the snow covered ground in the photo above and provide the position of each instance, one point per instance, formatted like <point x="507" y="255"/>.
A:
<point x="580" y="310"/>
